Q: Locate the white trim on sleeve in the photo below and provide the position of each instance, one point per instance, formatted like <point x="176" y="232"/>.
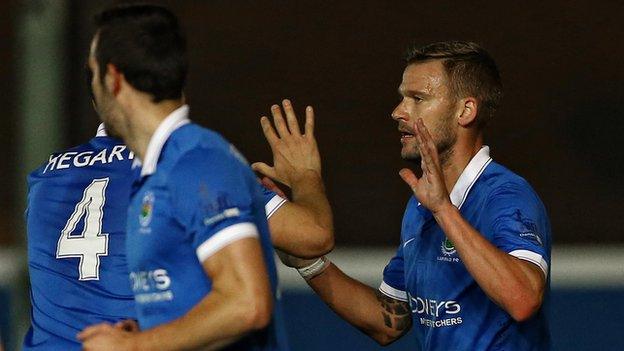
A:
<point x="224" y="237"/>
<point x="392" y="292"/>
<point x="532" y="257"/>
<point x="273" y="205"/>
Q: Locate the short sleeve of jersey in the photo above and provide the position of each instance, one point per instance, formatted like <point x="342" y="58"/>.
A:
<point x="212" y="200"/>
<point x="393" y="284"/>
<point x="272" y="201"/>
<point x="519" y="224"/>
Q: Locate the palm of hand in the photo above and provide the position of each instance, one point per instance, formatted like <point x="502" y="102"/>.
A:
<point x="294" y="154"/>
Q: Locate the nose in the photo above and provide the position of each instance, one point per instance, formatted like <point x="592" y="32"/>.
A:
<point x="399" y="112"/>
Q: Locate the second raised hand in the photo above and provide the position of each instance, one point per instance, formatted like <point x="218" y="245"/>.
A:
<point x="295" y="155"/>
<point x="430" y="189"/>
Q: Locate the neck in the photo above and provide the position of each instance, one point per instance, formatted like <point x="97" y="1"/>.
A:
<point x="458" y="157"/>
<point x="144" y="117"/>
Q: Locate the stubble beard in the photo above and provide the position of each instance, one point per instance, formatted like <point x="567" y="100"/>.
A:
<point x="447" y="137"/>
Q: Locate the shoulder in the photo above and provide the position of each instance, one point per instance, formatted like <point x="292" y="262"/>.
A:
<point x="192" y="136"/>
<point x="501" y="185"/>
<point x="192" y="144"/>
<point x="206" y="166"/>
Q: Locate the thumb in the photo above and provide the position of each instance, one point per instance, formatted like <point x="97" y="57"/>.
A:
<point x="409" y="177"/>
<point x="264" y="169"/>
<point x="92" y="330"/>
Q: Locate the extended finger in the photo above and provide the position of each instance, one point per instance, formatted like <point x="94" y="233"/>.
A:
<point x="291" y="118"/>
<point x="429" y="143"/>
<point x="409" y="177"/>
<point x="93" y="330"/>
<point x="263" y="169"/>
<point x="423" y="166"/>
<point x="309" y="122"/>
<point x="425" y="151"/>
<point x="279" y="122"/>
<point x="269" y="132"/>
<point x="420" y="144"/>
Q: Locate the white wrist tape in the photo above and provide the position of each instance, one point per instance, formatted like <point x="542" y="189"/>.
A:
<point x="314" y="269"/>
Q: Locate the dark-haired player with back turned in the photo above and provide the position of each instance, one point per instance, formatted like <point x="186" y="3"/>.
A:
<point x="471" y="270"/>
<point x="78" y="202"/>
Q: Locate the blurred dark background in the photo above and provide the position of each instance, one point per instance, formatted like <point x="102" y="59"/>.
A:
<point x="560" y="125"/>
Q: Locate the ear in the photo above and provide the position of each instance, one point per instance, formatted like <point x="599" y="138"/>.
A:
<point x="113" y="79"/>
<point x="469" y="109"/>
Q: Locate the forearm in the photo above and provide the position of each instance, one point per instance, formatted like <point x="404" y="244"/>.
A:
<point x="304" y="226"/>
<point x="214" y="322"/>
<point x="506" y="280"/>
<point x="309" y="192"/>
<point x="382" y="318"/>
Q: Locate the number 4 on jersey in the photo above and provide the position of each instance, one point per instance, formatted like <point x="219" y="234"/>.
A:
<point x="91" y="243"/>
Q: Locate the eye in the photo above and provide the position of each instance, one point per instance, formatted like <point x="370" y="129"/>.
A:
<point x="417" y="98"/>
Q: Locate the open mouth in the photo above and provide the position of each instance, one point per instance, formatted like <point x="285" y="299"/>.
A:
<point x="406" y="135"/>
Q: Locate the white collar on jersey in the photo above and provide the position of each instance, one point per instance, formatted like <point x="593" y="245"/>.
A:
<point x="469" y="176"/>
<point x="175" y="120"/>
<point x="101" y="131"/>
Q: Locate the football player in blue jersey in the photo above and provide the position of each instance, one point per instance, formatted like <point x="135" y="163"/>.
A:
<point x="82" y="195"/>
<point x="76" y="224"/>
<point x="472" y="268"/>
<point x="198" y="246"/>
<point x="79" y="276"/>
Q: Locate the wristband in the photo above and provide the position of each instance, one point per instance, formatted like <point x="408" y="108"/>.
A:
<point x="314" y="269"/>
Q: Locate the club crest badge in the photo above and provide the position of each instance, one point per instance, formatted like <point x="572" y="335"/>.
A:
<point x="448" y="249"/>
<point x="147" y="209"/>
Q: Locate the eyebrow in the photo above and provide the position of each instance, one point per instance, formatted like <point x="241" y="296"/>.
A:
<point x="409" y="92"/>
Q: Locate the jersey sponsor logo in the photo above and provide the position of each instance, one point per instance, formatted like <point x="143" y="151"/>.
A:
<point x="147" y="209"/>
<point x="436" y="313"/>
<point x="87" y="158"/>
<point x="448" y="322"/>
<point x="151" y="286"/>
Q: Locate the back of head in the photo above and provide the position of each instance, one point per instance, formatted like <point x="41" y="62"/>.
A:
<point x="145" y="43"/>
<point x="471" y="71"/>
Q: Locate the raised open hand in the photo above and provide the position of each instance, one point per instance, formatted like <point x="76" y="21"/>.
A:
<point x="430" y="189"/>
<point x="294" y="154"/>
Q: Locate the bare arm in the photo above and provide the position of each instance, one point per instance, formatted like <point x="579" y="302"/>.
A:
<point x="515" y="285"/>
<point x="303" y="227"/>
<point x="382" y="318"/>
<point x="240" y="302"/>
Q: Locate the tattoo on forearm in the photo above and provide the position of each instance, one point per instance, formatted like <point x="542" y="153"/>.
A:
<point x="396" y="314"/>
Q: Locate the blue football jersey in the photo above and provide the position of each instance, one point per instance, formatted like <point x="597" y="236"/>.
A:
<point x="195" y="196"/>
<point x="449" y="309"/>
<point x="76" y="224"/>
